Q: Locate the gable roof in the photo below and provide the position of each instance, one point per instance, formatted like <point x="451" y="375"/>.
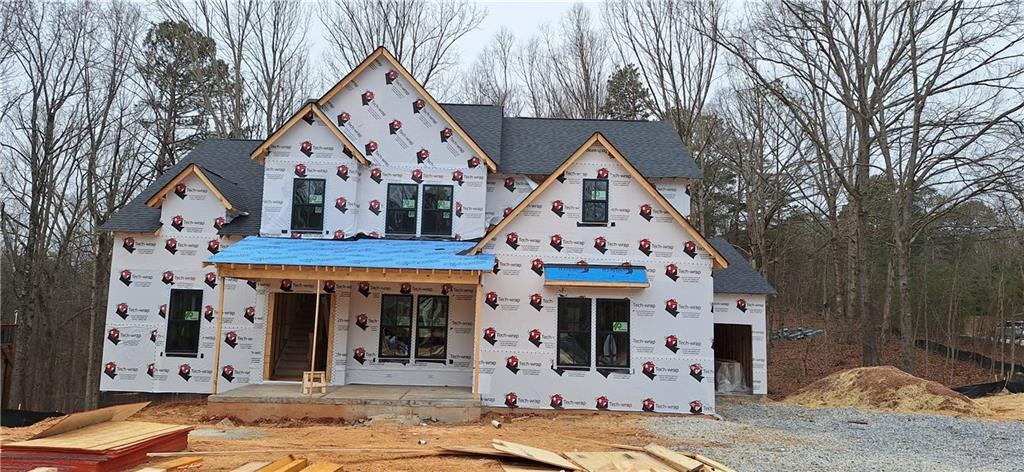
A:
<point x="310" y="107"/>
<point x="381" y="51"/>
<point x="598" y="138"/>
<point x="225" y="190"/>
<point x="223" y="161"/>
<point x="740" y="276"/>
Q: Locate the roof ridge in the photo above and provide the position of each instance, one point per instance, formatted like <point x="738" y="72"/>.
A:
<point x="610" y="120"/>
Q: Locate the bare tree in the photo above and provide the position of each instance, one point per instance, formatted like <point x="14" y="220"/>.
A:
<point x="42" y="142"/>
<point x="949" y="124"/>
<point x="420" y="33"/>
<point x="276" y="62"/>
<point x="229" y="23"/>
<point x="669" y="42"/>
<point x="491" y="79"/>
<point x="114" y="161"/>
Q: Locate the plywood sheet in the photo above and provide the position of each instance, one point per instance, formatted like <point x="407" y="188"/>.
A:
<point x="477" y="451"/>
<point x="529" y="468"/>
<point x="535" y="454"/>
<point x="618" y="461"/>
<point x="322" y="467"/>
<point x="103" y="436"/>
<point x="677" y="460"/>
<point x="86" y="418"/>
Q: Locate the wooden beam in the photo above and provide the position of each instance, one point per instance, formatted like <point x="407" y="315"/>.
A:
<point x="575" y="283"/>
<point x="218" y="341"/>
<point x="376" y="275"/>
<point x="478" y="291"/>
<point x="316" y="326"/>
<point x="268" y="339"/>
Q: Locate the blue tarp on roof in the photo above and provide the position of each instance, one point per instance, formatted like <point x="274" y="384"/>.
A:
<point x="592" y="274"/>
<point x="372" y="253"/>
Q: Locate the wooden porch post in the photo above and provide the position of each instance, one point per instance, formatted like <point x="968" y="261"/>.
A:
<point x="217" y="343"/>
<point x="476" y="338"/>
<point x="316" y="324"/>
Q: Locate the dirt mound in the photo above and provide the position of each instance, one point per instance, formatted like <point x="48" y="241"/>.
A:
<point x="885" y="388"/>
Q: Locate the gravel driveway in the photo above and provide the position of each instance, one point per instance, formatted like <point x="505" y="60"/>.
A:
<point x="766" y="436"/>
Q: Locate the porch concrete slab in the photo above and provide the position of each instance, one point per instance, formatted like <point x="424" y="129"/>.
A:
<point x="367" y="392"/>
<point x="348" y="402"/>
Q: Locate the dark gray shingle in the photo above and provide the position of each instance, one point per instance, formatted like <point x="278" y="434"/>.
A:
<point x="540" y="145"/>
<point x="740" y="276"/>
<point x="231" y="168"/>
<point x="483" y="123"/>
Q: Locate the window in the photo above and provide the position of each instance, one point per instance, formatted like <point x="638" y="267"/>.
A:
<point x="308" y="204"/>
<point x="395" y="326"/>
<point x="595" y="200"/>
<point x="401" y="210"/>
<point x="612" y="333"/>
<point x="437" y="210"/>
<point x="183" y="322"/>
<point x="574" y="332"/>
<point x="582" y="321"/>
<point x="432" y="327"/>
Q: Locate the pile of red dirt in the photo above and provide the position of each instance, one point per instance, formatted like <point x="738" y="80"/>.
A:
<point x="886" y="388"/>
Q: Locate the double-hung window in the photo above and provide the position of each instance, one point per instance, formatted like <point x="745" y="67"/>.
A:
<point x="395" y="326"/>
<point x="308" y="204"/>
<point x="405" y="337"/>
<point x="406" y="216"/>
<point x="595" y="200"/>
<point x="183" y="323"/>
<point x="432" y="327"/>
<point x="437" y="210"/>
<point x="402" y="209"/>
<point x="593" y="333"/>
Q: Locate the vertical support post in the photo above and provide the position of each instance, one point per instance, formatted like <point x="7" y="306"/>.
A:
<point x="476" y="338"/>
<point x="218" y="340"/>
<point x="316" y="325"/>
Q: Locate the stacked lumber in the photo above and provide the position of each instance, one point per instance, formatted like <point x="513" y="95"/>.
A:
<point x="288" y="464"/>
<point x="95" y="441"/>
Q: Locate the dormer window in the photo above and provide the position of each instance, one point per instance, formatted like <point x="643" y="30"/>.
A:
<point x="595" y="200"/>
<point x="308" y="205"/>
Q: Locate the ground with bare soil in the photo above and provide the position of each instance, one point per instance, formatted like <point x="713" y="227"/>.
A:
<point x="794" y="364"/>
<point x="885" y="388"/>
<point x="755" y="435"/>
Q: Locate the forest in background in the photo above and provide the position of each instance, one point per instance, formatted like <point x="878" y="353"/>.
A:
<point x="865" y="156"/>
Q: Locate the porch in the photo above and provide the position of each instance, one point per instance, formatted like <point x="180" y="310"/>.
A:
<point x="280" y="400"/>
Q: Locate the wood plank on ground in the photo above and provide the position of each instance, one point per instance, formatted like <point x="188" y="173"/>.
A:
<point x="278" y="464"/>
<point x="251" y="466"/>
<point x="294" y="466"/>
<point x="174" y="465"/>
<point x="675" y="459"/>
<point x="711" y="462"/>
<point x="618" y="461"/>
<point x="534" y="454"/>
<point x="529" y="468"/>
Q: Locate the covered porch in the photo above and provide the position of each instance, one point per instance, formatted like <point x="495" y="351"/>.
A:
<point x="348" y="402"/>
<point x="356" y="289"/>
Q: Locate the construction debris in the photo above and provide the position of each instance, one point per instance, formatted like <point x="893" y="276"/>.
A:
<point x="513" y="457"/>
<point x="96" y="440"/>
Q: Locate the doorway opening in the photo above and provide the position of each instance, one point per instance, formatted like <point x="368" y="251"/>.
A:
<point x="292" y="335"/>
<point x="734" y="358"/>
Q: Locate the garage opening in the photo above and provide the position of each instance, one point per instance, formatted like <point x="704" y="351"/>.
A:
<point x="734" y="358"/>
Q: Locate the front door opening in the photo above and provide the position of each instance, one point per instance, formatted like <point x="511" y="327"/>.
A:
<point x="292" y="335"/>
<point x="734" y="364"/>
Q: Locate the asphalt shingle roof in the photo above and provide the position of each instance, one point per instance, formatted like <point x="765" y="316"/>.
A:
<point x="517" y="145"/>
<point x="226" y="162"/>
<point x="740" y="276"/>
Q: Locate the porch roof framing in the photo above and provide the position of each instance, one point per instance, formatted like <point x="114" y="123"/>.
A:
<point x="351" y="274"/>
